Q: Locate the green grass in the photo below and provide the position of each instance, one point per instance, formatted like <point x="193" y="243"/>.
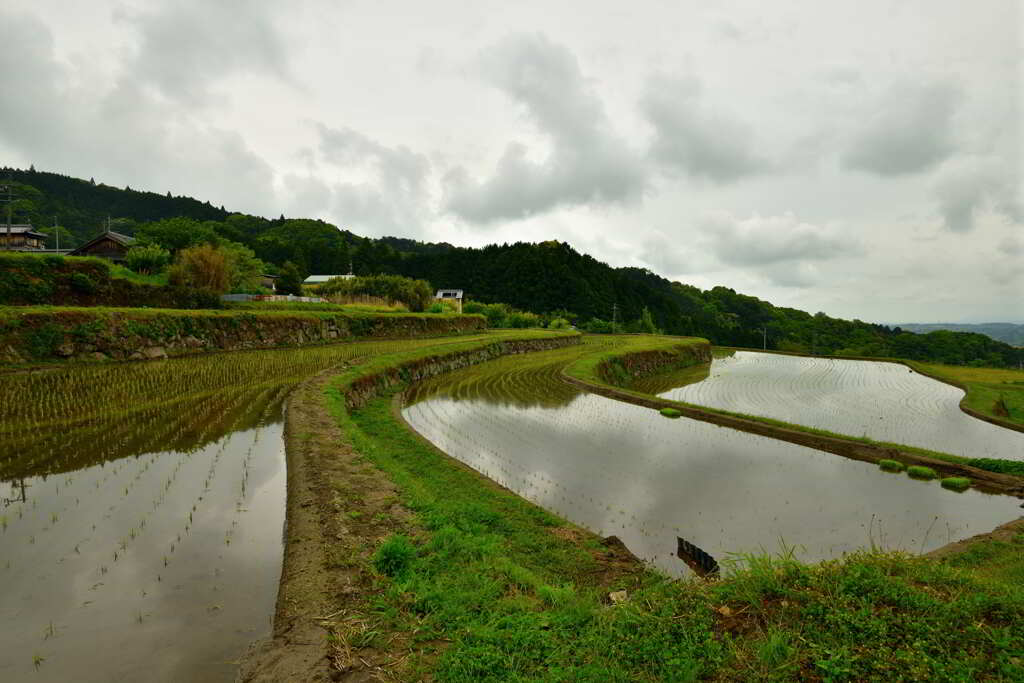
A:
<point x="997" y="393"/>
<point x="921" y="472"/>
<point x="956" y="483"/>
<point x="891" y="465"/>
<point x="510" y="601"/>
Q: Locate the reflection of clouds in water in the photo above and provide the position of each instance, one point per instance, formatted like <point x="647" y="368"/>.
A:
<point x="884" y="401"/>
<point x="623" y="470"/>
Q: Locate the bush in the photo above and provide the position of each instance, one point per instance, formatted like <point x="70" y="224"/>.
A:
<point x="394" y="556"/>
<point x="891" y="465"/>
<point x="416" y="294"/>
<point x="956" y="483"/>
<point x="521" y="320"/>
<point x="204" y="268"/>
<point x="83" y="283"/>
<point x="559" y="324"/>
<point x="921" y="472"/>
<point x="147" y="259"/>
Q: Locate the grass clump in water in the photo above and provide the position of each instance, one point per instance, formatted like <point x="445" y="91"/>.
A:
<point x="956" y="483"/>
<point x="921" y="472"/>
<point x="670" y="412"/>
<point x="891" y="465"/>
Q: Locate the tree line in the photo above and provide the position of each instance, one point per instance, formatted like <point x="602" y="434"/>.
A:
<point x="550" y="279"/>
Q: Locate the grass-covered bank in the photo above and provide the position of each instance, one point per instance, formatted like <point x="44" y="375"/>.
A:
<point x="43" y="333"/>
<point x="475" y="583"/>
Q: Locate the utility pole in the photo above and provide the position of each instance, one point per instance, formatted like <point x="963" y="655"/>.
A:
<point x="56" y="232"/>
<point x="615" y="316"/>
<point x="9" y="189"/>
<point x="764" y="338"/>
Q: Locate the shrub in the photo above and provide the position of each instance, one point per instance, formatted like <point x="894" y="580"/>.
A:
<point x="394" y="556"/>
<point x="436" y="307"/>
<point x="416" y="294"/>
<point x="921" y="472"/>
<point x="559" y="324"/>
<point x="956" y="483"/>
<point x="521" y="320"/>
<point x="148" y="258"/>
<point x="82" y="283"/>
<point x="670" y="412"/>
<point x="204" y="268"/>
<point x="891" y="465"/>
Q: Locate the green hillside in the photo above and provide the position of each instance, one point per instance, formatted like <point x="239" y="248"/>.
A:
<point x="546" y="277"/>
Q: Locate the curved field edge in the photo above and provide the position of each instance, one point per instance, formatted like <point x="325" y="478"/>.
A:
<point x="422" y="568"/>
<point x="982" y="387"/>
<point x="988" y="474"/>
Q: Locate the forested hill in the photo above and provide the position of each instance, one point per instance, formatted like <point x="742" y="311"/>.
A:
<point x="1011" y="333"/>
<point x="547" y="277"/>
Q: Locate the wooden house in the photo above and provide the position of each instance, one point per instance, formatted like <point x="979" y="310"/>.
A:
<point x="21" y="238"/>
<point x="109" y="245"/>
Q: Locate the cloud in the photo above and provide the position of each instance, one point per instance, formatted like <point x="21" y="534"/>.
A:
<point x="691" y="138"/>
<point x="184" y="47"/>
<point x="390" y="194"/>
<point x="970" y="185"/>
<point x="911" y="130"/>
<point x="587" y="162"/>
<point x="781" y="248"/>
<point x="122" y="133"/>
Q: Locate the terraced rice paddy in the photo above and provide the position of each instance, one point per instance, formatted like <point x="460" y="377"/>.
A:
<point x="142" y="511"/>
<point x="623" y="470"/>
<point x="881" y="401"/>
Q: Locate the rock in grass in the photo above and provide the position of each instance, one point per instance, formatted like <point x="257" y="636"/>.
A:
<point x="891" y="465"/>
<point x="670" y="412"/>
<point x="956" y="483"/>
<point x="921" y="472"/>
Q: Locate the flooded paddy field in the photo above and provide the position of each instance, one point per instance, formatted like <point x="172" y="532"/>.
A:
<point x="882" y="401"/>
<point x="619" y="469"/>
<point x="142" y="511"/>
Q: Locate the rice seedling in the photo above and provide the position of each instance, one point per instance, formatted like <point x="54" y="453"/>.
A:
<point x="956" y="483"/>
<point x="921" y="472"/>
<point x="891" y="465"/>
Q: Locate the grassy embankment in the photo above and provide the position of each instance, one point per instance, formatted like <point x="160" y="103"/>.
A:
<point x="482" y="585"/>
<point x="992" y="392"/>
<point x="983" y="382"/>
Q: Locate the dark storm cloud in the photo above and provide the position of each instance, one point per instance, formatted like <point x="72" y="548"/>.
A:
<point x="587" y="161"/>
<point x="911" y="130"/>
<point x="186" y="46"/>
<point x="392" y="199"/>
<point x="691" y="138"/>
<point x="122" y="134"/>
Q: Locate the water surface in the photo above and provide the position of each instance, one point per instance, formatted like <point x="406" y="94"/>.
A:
<point x="619" y="469"/>
<point x="882" y="401"/>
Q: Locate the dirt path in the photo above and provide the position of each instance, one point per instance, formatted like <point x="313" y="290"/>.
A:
<point x="339" y="508"/>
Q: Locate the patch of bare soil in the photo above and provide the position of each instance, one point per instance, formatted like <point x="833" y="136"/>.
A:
<point x="339" y="508"/>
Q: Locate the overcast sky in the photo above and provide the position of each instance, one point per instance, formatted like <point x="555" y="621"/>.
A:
<point x="860" y="158"/>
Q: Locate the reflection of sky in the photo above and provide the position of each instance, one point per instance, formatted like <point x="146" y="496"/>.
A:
<point x="619" y="469"/>
<point x="884" y="401"/>
<point x="135" y="618"/>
